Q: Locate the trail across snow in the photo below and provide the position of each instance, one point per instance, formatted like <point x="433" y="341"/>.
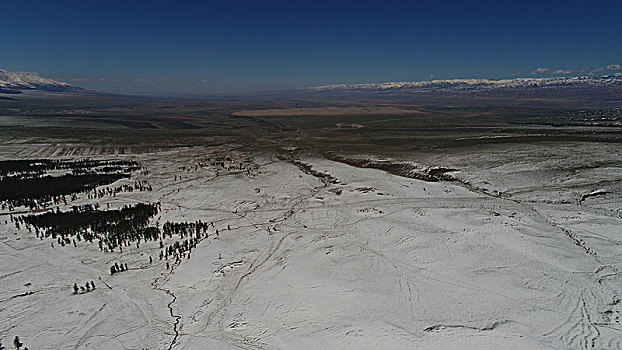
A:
<point x="368" y="260"/>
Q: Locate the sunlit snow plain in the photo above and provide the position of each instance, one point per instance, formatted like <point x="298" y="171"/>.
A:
<point x="375" y="261"/>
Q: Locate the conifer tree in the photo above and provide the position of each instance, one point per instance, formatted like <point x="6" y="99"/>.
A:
<point x="17" y="343"/>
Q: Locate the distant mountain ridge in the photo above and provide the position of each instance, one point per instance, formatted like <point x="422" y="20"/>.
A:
<point x="16" y="82"/>
<point x="478" y="85"/>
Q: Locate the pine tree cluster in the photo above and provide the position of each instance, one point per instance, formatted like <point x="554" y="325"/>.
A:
<point x="110" y="228"/>
<point x="27" y="183"/>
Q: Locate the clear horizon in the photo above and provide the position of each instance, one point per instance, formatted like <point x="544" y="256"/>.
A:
<point x="212" y="47"/>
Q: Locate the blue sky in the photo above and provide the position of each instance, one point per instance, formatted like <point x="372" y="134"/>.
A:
<point x="197" y="47"/>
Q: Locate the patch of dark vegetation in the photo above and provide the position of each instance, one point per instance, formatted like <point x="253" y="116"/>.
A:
<point x="126" y="123"/>
<point x="440" y="327"/>
<point x="88" y="287"/>
<point x="17" y="343"/>
<point x="116" y="229"/>
<point x="577" y="240"/>
<point x="139" y="186"/>
<point x="400" y="169"/>
<point x="366" y="189"/>
<point x="224" y="161"/>
<point x="191" y="234"/>
<point x="609" y="118"/>
<point x="337" y="191"/>
<point x="116" y="268"/>
<point x="30" y="183"/>
<point x="34" y="191"/>
<point x="308" y="169"/>
<point x="439" y="171"/>
<point x="37" y="167"/>
<point x="25" y="294"/>
<point x="184" y="229"/>
<point x="110" y="228"/>
<point x="24" y="168"/>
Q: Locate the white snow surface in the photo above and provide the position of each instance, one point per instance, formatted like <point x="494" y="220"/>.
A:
<point x="29" y="80"/>
<point x="375" y="261"/>
<point x="476" y="85"/>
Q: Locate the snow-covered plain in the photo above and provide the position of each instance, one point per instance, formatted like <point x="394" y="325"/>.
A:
<point x="375" y="261"/>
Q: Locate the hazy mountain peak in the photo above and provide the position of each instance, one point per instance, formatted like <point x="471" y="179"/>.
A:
<point x="14" y="82"/>
<point x="476" y="85"/>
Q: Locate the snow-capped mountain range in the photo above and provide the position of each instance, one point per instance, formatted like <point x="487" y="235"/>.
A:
<point x="14" y="82"/>
<point x="478" y="85"/>
<point x="607" y="87"/>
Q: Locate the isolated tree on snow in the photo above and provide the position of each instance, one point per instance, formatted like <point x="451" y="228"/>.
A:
<point x="17" y="343"/>
<point x="75" y="288"/>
